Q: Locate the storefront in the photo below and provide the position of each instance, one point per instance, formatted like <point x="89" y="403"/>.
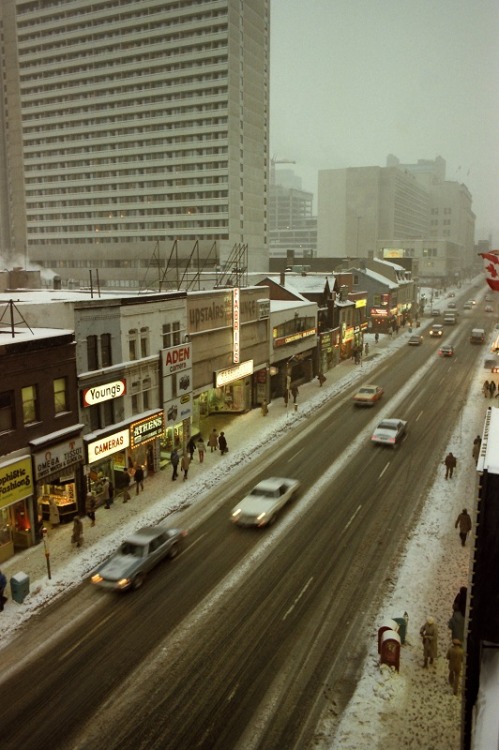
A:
<point x="329" y="349"/>
<point x="231" y="394"/>
<point x="115" y="454"/>
<point x="17" y="517"/>
<point x="57" y="469"/>
<point x="176" y="371"/>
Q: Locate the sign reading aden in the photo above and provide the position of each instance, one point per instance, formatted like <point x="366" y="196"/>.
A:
<point x="177" y="358"/>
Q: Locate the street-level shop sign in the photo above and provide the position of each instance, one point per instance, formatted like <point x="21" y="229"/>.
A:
<point x="105" y="392"/>
<point x="105" y="446"/>
<point x="230" y="374"/>
<point x="16" y="481"/>
<point x="298" y="336"/>
<point x="147" y="429"/>
<point x="176" y="359"/>
<point x="55" y="460"/>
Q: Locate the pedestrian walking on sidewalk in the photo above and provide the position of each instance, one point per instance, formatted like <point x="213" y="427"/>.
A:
<point x="485" y="389"/>
<point x="366" y="348"/>
<point x="106" y="493"/>
<point x="376" y="338"/>
<point x="185" y="463"/>
<point x="174" y="459"/>
<point x="450" y="464"/>
<point x="139" y="478"/>
<point x="455" y="654"/>
<point x="464" y="522"/>
<point x="492" y="388"/>
<point x="191" y="448"/>
<point x="429" y="635"/>
<point x="125" y="483"/>
<point x="264" y="408"/>
<point x="213" y="440"/>
<point x="201" y="449"/>
<point x="3" y="586"/>
<point x="477" y="443"/>
<point x="294" y="393"/>
<point x="222" y="443"/>
<point x="54" y="516"/>
<point x="322" y="379"/>
<point x="77" y="535"/>
<point x="90" y="505"/>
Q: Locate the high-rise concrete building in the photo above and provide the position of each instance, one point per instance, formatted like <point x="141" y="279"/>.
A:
<point x="358" y="205"/>
<point x="292" y="228"/>
<point x="133" y="131"/>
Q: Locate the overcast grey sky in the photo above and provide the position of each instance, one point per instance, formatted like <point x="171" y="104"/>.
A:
<point x="355" y="80"/>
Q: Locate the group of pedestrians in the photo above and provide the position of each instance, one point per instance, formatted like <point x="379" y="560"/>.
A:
<point x="489" y="389"/>
<point x="455" y="651"/>
<point x="215" y="441"/>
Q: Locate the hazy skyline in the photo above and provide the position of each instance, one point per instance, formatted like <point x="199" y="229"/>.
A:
<point x="352" y="82"/>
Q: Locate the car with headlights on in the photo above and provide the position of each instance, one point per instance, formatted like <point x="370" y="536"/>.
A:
<point x="415" y="340"/>
<point x="136" y="556"/>
<point x="368" y="395"/>
<point x="436" y="330"/>
<point x="446" y="350"/>
<point x="389" y="432"/>
<point x="262" y="505"/>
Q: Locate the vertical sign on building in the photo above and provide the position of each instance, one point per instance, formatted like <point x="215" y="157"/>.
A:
<point x="235" y="326"/>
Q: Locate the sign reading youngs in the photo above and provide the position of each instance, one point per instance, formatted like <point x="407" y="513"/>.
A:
<point x="104" y="392"/>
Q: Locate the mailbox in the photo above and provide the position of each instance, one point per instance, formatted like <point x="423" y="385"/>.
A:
<point x="387" y="625"/>
<point x="390" y="649"/>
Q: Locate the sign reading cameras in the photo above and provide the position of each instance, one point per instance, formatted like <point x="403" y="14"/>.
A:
<point x="177" y="382"/>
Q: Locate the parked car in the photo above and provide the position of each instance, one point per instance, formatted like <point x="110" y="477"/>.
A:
<point x="368" y="395"/>
<point x="415" y="340"/>
<point x="137" y="555"/>
<point x="437" y="330"/>
<point x="262" y="505"/>
<point x="446" y="350"/>
<point x="389" y="432"/>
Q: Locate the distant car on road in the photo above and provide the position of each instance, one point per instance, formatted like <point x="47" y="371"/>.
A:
<point x="451" y="305"/>
<point x="368" y="395"/>
<point x="489" y="308"/>
<point x="262" y="505"/>
<point x="137" y="555"/>
<point x="415" y="340"/>
<point x="446" y="350"/>
<point x="467" y="306"/>
<point x="435" y="312"/>
<point x="436" y="330"/>
<point x="389" y="432"/>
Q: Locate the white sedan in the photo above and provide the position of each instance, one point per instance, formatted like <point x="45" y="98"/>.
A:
<point x="389" y="432"/>
<point x="261" y="506"/>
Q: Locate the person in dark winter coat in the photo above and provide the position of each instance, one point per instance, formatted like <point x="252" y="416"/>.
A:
<point x="191" y="448"/>
<point x="213" y="440"/>
<point x="492" y="388"/>
<point x="139" y="478"/>
<point x="455" y="655"/>
<point x="294" y="393"/>
<point x="456" y="625"/>
<point x="185" y="463"/>
<point x="222" y="443"/>
<point x="174" y="459"/>
<point x="90" y="505"/>
<point x="3" y="586"/>
<point x="77" y="535"/>
<point x="106" y="493"/>
<point x="450" y="464"/>
<point x="429" y="635"/>
<point x="477" y="442"/>
<point x="459" y="602"/>
<point x="464" y="522"/>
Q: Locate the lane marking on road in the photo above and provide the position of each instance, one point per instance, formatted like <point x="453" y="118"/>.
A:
<point x="295" y="455"/>
<point x="86" y="637"/>
<point x="419" y="415"/>
<point x="351" y="519"/>
<point x="195" y="541"/>
<point x="384" y="469"/>
<point x="298" y="598"/>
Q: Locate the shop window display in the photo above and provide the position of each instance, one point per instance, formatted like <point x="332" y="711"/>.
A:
<point x="65" y="498"/>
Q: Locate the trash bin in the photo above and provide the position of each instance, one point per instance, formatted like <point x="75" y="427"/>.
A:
<point x="386" y="625"/>
<point x="19" y="587"/>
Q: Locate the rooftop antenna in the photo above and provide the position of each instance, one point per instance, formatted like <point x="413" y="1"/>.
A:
<point x="11" y="306"/>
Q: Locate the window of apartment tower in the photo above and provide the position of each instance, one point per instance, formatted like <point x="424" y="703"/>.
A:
<point x="144" y="342"/>
<point x="60" y="395"/>
<point x="92" y="354"/>
<point x="7" y="413"/>
<point x="29" y="396"/>
<point x="105" y="350"/>
<point x="132" y="344"/>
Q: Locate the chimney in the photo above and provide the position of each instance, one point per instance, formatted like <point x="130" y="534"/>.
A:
<point x="282" y="280"/>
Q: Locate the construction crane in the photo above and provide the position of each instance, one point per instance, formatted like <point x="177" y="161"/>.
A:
<point x="274" y="160"/>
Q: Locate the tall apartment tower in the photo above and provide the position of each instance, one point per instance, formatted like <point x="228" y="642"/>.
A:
<point x="132" y="129"/>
